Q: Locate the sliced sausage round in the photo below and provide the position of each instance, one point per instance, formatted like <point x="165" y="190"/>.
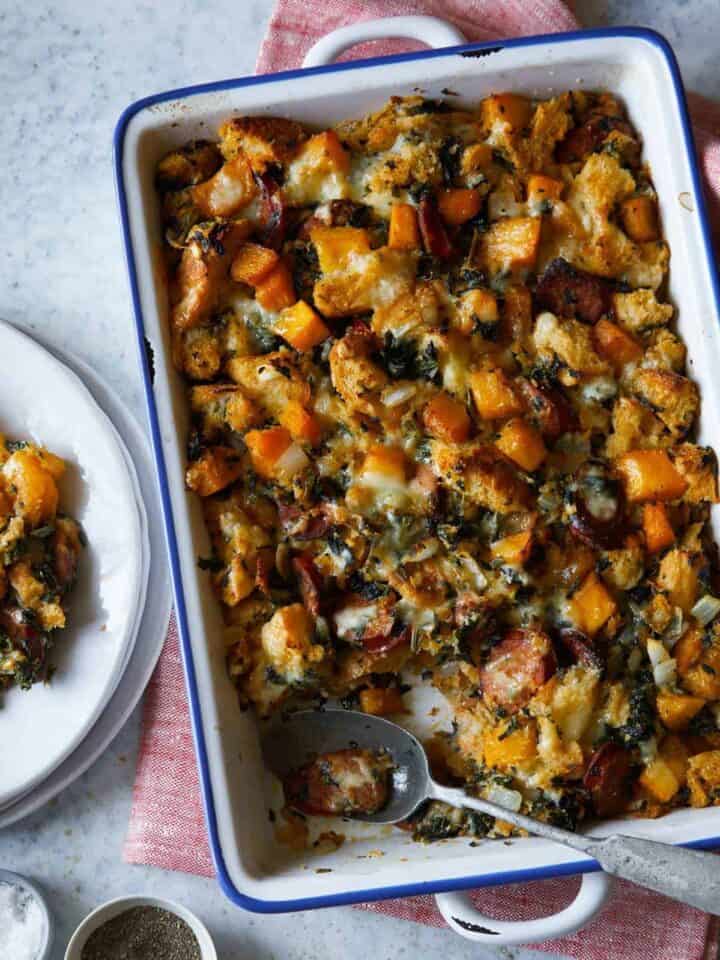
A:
<point x="599" y="515"/>
<point x="309" y="582"/>
<point x="342" y="783"/>
<point x="608" y="779"/>
<point x="517" y="667"/>
<point x="580" y="648"/>
<point x="549" y="408"/>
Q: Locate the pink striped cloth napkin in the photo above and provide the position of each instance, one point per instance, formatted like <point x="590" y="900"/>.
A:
<point x="167" y="827"/>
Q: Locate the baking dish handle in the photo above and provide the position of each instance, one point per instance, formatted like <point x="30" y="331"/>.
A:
<point x="461" y="916"/>
<point x="430" y="30"/>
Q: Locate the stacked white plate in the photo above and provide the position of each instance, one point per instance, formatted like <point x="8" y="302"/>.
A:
<point x="120" y="606"/>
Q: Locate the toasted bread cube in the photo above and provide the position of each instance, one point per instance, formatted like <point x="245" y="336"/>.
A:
<point x="657" y="528"/>
<point x="324" y="150"/>
<point x="381" y="701"/>
<point x="659" y="780"/>
<point x="704" y="778"/>
<point x="302" y="424"/>
<point x="676" y="710"/>
<point x="228" y="190"/>
<point x="277" y="290"/>
<point x="522" y="443"/>
<point x="614" y="345"/>
<point x="678" y="577"/>
<point x="336" y="245"/>
<point x="476" y="158"/>
<point x="639" y="217"/>
<point x="301" y="326"/>
<point x="688" y="650"/>
<point x="459" y="205"/>
<point x="514" y="549"/>
<point x="215" y="469"/>
<point x="447" y="419"/>
<point x="266" y="447"/>
<point x="511" y="244"/>
<point x="33" y="487"/>
<point x="506" y="109"/>
<point x="649" y="475"/>
<point x="404" y="232"/>
<point x="517" y="311"/>
<point x="478" y="310"/>
<point x="494" y="395"/>
<point x="698" y="467"/>
<point x="591" y="606"/>
<point x="542" y="190"/>
<point x="264" y="140"/>
<point x="253" y="263"/>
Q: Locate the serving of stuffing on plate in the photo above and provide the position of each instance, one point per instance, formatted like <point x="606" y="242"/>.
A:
<point x="39" y="556"/>
<point x="442" y="428"/>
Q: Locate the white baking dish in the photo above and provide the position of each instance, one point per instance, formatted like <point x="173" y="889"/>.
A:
<point x="253" y="869"/>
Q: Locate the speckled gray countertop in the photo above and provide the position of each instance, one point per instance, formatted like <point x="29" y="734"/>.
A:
<point x="67" y="69"/>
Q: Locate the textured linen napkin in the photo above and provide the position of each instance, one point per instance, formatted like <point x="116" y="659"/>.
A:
<point x="167" y="826"/>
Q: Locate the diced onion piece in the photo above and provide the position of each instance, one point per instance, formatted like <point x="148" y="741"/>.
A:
<point x="394" y="396"/>
<point x="292" y="461"/>
<point x="510" y="799"/>
<point x="706" y="609"/>
<point x="656" y="652"/>
<point x="665" y="673"/>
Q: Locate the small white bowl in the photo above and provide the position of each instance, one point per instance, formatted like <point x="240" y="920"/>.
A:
<point x="107" y="911"/>
<point x="7" y="876"/>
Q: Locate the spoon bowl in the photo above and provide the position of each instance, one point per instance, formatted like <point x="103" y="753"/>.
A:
<point x="294" y="740"/>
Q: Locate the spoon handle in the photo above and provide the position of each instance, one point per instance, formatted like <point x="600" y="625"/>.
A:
<point x="690" y="876"/>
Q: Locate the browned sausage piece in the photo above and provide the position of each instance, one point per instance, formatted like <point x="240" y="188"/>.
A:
<point x="599" y="518"/>
<point x="608" y="779"/>
<point x="517" y="667"/>
<point x="548" y="408"/>
<point x="580" y="648"/>
<point x="343" y="783"/>
<point x="569" y="292"/>
<point x="432" y="229"/>
<point x="303" y="524"/>
<point x="586" y="138"/>
<point x="309" y="581"/>
<point x="272" y="212"/>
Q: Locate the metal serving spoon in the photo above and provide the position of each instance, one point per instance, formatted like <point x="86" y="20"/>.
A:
<point x="691" y="876"/>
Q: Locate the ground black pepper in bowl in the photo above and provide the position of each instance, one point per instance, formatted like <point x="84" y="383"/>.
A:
<point x="143" y="933"/>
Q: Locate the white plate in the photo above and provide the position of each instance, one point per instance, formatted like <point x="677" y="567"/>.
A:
<point x="42" y="400"/>
<point x="153" y="618"/>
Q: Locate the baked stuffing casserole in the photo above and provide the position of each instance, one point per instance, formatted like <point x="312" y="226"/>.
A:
<point x="442" y="424"/>
<point x="39" y="555"/>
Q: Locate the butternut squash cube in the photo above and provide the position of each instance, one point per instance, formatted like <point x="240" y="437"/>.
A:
<point x="227" y="191"/>
<point x="688" y="650"/>
<point x="387" y="464"/>
<point x="336" y="245"/>
<point x="35" y="491"/>
<point x="266" y="447"/>
<point x="380" y="701"/>
<point x="508" y="109"/>
<point x="276" y="291"/>
<point x="494" y="395"/>
<point x="514" y="549"/>
<point x="676" y="710"/>
<point x="301" y="326"/>
<point x="591" y="606"/>
<point x="511" y="244"/>
<point x="639" y="217"/>
<point x="253" y="263"/>
<point x="522" y="443"/>
<point x="659" y="780"/>
<point x="657" y="528"/>
<point x="459" y="205"/>
<point x="502" y="748"/>
<point x="649" y="475"/>
<point x="675" y="755"/>
<point x="615" y="345"/>
<point x="447" y="419"/>
<point x="404" y="232"/>
<point x="302" y="424"/>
